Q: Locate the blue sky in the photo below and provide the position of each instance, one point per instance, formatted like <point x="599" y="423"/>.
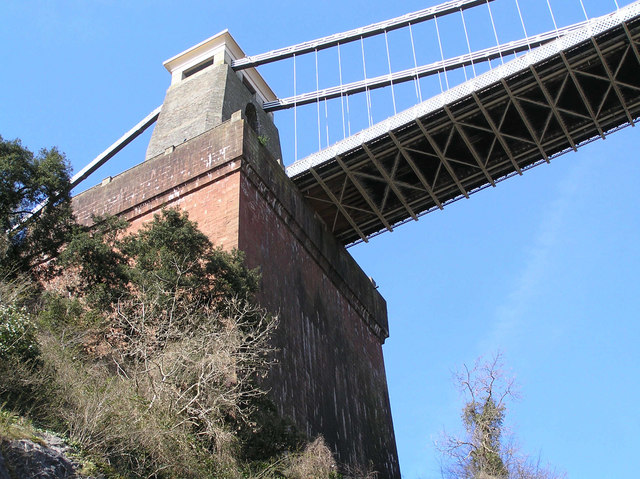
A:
<point x="543" y="267"/>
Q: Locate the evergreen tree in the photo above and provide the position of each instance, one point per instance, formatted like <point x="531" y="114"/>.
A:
<point x="35" y="206"/>
<point x="168" y="256"/>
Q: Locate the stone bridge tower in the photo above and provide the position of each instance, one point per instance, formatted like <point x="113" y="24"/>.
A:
<point x="216" y="154"/>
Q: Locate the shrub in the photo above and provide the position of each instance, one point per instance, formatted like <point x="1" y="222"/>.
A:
<point x="315" y="462"/>
<point x="17" y="334"/>
<point x="151" y="356"/>
<point x="161" y="395"/>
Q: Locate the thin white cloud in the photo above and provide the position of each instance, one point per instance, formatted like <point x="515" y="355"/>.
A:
<point x="508" y="325"/>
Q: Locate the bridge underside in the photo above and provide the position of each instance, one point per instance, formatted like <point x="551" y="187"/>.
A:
<point x="502" y="123"/>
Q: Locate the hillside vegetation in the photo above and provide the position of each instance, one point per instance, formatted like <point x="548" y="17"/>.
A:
<point x="144" y="350"/>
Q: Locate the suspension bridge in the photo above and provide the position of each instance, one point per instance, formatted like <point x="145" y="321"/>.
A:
<point x="496" y="111"/>
<point x="549" y="94"/>
<point x="571" y="86"/>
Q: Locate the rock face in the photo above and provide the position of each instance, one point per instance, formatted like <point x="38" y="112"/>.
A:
<point x="23" y="458"/>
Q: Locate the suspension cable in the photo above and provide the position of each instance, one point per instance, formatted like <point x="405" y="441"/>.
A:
<point x="524" y="29"/>
<point x="586" y="17"/>
<point x="326" y="120"/>
<point x="344" y="133"/>
<point x="466" y="34"/>
<point x="555" y="25"/>
<point x="415" y="65"/>
<point x="444" y="69"/>
<point x="348" y="115"/>
<point x="295" y="113"/>
<point x="354" y="35"/>
<point x="367" y="93"/>
<point x="495" y="32"/>
<point x="393" y="94"/>
<point x="318" y="102"/>
<point x="440" y="79"/>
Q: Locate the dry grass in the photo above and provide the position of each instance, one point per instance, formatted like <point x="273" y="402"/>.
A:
<point x="159" y="407"/>
<point x="315" y="462"/>
<point x="162" y="398"/>
<point x="13" y="426"/>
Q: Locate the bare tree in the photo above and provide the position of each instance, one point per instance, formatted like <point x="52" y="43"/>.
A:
<point x="203" y="363"/>
<point x="486" y="450"/>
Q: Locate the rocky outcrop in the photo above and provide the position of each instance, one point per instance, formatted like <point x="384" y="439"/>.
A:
<point x="45" y="459"/>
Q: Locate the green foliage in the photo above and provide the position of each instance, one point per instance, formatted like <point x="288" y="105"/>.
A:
<point x="480" y="453"/>
<point x="146" y="349"/>
<point x="26" y="181"/>
<point x="170" y="353"/>
<point x="163" y="396"/>
<point x="66" y="315"/>
<point x="232" y="277"/>
<point x="150" y="356"/>
<point x="14" y="426"/>
<point x="168" y="255"/>
<point x="484" y="420"/>
<point x="21" y="366"/>
<point x="17" y="334"/>
<point x="102" y="269"/>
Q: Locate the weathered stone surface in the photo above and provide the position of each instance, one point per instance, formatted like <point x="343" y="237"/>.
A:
<point x="330" y="375"/>
<point x="22" y="459"/>
<point x="203" y="101"/>
<point x="4" y="472"/>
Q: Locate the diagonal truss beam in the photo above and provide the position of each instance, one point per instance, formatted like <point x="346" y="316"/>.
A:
<point x="338" y="204"/>
<point x="531" y="109"/>
<point x="497" y="133"/>
<point x="442" y="157"/>
<point x="612" y="81"/>
<point x="469" y="145"/>
<point x="414" y="167"/>
<point x="525" y="119"/>
<point x="553" y="103"/>
<point x="364" y="194"/>
<point x="582" y="94"/>
<point x="631" y="41"/>
<point x="392" y="176"/>
<point x="390" y="183"/>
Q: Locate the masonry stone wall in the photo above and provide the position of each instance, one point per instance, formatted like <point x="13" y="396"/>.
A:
<point x="203" y="101"/>
<point x="330" y="377"/>
<point x="200" y="176"/>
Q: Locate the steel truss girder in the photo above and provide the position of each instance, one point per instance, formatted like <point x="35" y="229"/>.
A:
<point x="514" y="124"/>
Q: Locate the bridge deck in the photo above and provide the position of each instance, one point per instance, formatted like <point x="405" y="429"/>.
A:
<point x="541" y="105"/>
